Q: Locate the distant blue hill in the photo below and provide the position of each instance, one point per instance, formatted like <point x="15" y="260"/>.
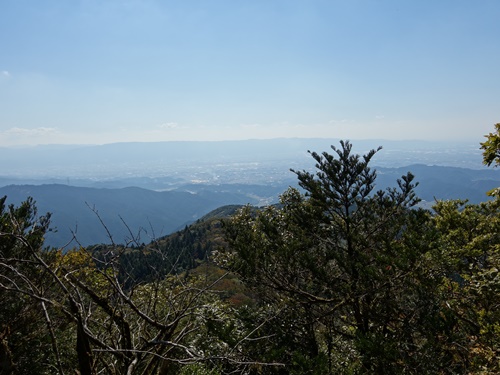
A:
<point x="438" y="182"/>
<point x="148" y="214"/>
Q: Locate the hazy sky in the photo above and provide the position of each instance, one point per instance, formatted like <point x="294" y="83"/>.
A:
<point x="101" y="71"/>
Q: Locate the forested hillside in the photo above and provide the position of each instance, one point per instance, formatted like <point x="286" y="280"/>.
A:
<point x="338" y="278"/>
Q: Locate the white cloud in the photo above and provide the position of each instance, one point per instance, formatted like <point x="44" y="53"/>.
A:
<point x="169" y="125"/>
<point x="343" y="121"/>
<point x="34" y="132"/>
<point x="4" y="76"/>
<point x="251" y="126"/>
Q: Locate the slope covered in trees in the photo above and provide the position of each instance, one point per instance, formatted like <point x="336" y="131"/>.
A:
<point x="337" y="279"/>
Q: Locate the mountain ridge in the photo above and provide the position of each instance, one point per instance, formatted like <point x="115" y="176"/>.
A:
<point x="153" y="213"/>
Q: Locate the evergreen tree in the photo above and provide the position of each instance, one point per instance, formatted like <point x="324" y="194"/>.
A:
<point x="352" y="261"/>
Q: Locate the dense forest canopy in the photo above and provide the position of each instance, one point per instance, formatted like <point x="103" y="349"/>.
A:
<point x="336" y="279"/>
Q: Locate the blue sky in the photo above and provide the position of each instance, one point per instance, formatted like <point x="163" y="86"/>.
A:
<point x="102" y="71"/>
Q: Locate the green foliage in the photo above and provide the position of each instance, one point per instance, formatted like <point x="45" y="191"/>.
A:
<point x="197" y="369"/>
<point x="83" y="309"/>
<point x="491" y="147"/>
<point x="353" y="265"/>
<point x="24" y="346"/>
<point x="470" y="261"/>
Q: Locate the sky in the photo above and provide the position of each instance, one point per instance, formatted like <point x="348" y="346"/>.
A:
<point x="104" y="71"/>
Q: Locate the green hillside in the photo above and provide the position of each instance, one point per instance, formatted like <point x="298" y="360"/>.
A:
<point x="176" y="253"/>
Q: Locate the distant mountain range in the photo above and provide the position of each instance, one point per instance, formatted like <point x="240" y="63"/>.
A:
<point x="152" y="214"/>
<point x="148" y="214"/>
<point x="154" y="189"/>
<point x="206" y="159"/>
<point x="438" y="182"/>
